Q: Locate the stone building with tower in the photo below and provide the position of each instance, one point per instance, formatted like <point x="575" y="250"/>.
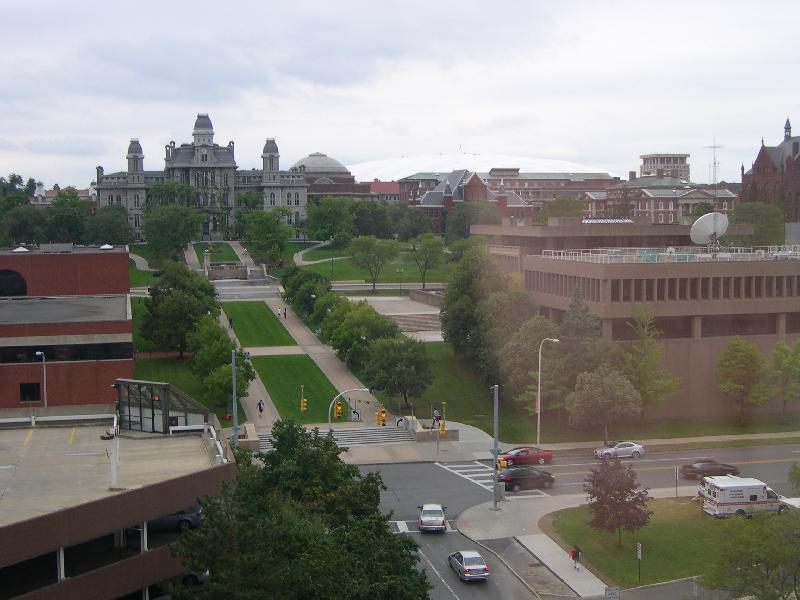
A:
<point x="774" y="177"/>
<point x="216" y="182"/>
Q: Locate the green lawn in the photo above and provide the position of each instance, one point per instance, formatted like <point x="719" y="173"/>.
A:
<point x="176" y="372"/>
<point x="324" y="252"/>
<point x="139" y="343"/>
<point x="282" y="376"/>
<point x="221" y="252"/>
<point x="287" y="256"/>
<point x="678" y="542"/>
<point x="147" y="253"/>
<point x="345" y="270"/>
<point x="256" y="325"/>
<point x="139" y="278"/>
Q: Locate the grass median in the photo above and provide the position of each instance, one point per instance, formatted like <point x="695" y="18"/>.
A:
<point x="256" y="325"/>
<point x="283" y="376"/>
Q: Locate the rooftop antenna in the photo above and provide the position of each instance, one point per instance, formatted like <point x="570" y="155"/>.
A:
<point x="708" y="229"/>
<point x="714" y="163"/>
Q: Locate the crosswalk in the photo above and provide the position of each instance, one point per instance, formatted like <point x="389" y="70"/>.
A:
<point x="481" y="474"/>
<point x="413" y="527"/>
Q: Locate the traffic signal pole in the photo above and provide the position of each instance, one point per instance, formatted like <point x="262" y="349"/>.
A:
<point x="495" y="450"/>
<point x="330" y="406"/>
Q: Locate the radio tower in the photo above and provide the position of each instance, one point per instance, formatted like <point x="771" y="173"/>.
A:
<point x="714" y="165"/>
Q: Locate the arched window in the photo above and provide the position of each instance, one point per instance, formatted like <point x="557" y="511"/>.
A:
<point x="12" y="283"/>
<point x="296" y="199"/>
<point x="288" y="198"/>
<point x="110" y="199"/>
<point x="297" y="217"/>
<point x="136" y="200"/>
<point x="272" y="199"/>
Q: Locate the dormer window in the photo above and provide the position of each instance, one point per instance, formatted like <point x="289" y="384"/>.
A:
<point x="204" y="157"/>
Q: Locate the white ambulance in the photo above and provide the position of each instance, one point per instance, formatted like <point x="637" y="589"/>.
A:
<point x="725" y="495"/>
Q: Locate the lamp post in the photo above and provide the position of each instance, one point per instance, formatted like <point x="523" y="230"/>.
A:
<point x="539" y="393"/>
<point x="44" y="370"/>
<point x="400" y="272"/>
<point x="331" y="260"/>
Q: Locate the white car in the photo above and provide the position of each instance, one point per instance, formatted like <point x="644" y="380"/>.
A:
<point x="620" y="450"/>
<point x="431" y="518"/>
<point x="469" y="565"/>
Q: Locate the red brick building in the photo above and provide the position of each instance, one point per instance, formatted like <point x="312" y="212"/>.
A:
<point x="775" y="175"/>
<point x="66" y="330"/>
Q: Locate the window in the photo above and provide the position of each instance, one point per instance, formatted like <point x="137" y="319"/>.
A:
<point x="136" y="221"/>
<point x="671" y="217"/>
<point x="119" y="199"/>
<point x="660" y="218"/>
<point x="225" y="198"/>
<point x="204" y="157"/>
<point x="29" y="392"/>
<point x="297" y="199"/>
<point x="288" y="198"/>
<point x="297" y="218"/>
<point x="136" y="200"/>
<point x="225" y="179"/>
<point x="213" y="178"/>
<point x="660" y="205"/>
<point x="725" y="205"/>
<point x="272" y="199"/>
<point x="110" y="199"/>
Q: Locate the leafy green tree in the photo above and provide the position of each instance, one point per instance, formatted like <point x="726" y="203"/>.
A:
<point x="24" y="223"/>
<point x="66" y="219"/>
<point x="466" y="214"/>
<point x="246" y="203"/>
<point x="783" y="377"/>
<point x="767" y="221"/>
<point x="409" y="222"/>
<point x="700" y="209"/>
<point x="372" y="254"/>
<point x="640" y="361"/>
<point x="30" y="187"/>
<point x="519" y="361"/>
<point x="740" y="373"/>
<point x="334" y="318"/>
<point x="209" y="344"/>
<point x="621" y="208"/>
<point x="615" y="501"/>
<point x="218" y="382"/>
<point x="265" y="234"/>
<point x="357" y="330"/>
<point x="427" y="251"/>
<point x="330" y="219"/>
<point x="178" y="299"/>
<point x="758" y="558"/>
<point x="324" y="303"/>
<point x="561" y="206"/>
<point x="602" y="397"/>
<point x="169" y="229"/>
<point x="371" y="218"/>
<point x="109" y="225"/>
<point x="398" y="366"/>
<point x="300" y="523"/>
<point x="456" y="249"/>
<point x="164" y="193"/>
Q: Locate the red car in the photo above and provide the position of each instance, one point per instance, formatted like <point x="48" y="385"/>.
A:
<point x="525" y="455"/>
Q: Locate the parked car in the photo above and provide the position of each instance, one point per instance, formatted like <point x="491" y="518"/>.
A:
<point x="524" y="455"/>
<point x="707" y="466"/>
<point x="431" y="517"/>
<point x="620" y="450"/>
<point x="468" y="565"/>
<point x="525" y="478"/>
<point x="188" y="518"/>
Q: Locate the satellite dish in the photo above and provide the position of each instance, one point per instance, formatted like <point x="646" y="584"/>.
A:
<point x="708" y="229"/>
<point x="20" y="249"/>
<point x="106" y="247"/>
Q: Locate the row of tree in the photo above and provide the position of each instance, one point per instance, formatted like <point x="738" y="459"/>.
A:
<point x="370" y="343"/>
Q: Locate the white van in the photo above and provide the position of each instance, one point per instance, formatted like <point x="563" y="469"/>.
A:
<point x="725" y="495"/>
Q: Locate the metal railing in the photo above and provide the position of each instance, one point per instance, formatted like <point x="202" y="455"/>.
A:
<point x="687" y="254"/>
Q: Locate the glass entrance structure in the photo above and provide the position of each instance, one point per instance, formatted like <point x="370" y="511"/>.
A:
<point x="154" y="407"/>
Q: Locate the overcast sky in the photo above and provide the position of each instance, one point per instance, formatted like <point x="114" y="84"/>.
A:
<point x="595" y="83"/>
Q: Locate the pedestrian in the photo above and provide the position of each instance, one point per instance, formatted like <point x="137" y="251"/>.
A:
<point x="284" y="313"/>
<point x="575" y="555"/>
<point x="260" y="408"/>
<point x="436" y="416"/>
<point x="230" y="322"/>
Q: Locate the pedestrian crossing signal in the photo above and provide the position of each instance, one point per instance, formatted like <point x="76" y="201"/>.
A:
<point x="337" y="410"/>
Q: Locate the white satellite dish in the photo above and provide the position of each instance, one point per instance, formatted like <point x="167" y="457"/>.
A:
<point x="20" y="249"/>
<point x="106" y="247"/>
<point x="708" y="229"/>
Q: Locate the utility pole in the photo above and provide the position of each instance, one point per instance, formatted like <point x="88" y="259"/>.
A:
<point x="496" y="449"/>
<point x="235" y="437"/>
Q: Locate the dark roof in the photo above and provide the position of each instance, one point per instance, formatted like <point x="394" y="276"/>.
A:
<point x="270" y="147"/>
<point x="203" y="122"/>
<point x="183" y="156"/>
<point x="134" y="147"/>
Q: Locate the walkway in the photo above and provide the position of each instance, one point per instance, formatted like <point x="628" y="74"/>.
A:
<point x="190" y="256"/>
<point x="300" y="262"/>
<point x="244" y="255"/>
<point x="141" y="263"/>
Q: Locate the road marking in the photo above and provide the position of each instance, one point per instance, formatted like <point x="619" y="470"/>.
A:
<point x="8" y="466"/>
<point x="473" y="470"/>
<point x="28" y="436"/>
<point x="447" y="585"/>
<point x="85" y="454"/>
<point x="672" y="467"/>
<point x="71" y="436"/>
<point x="402" y="527"/>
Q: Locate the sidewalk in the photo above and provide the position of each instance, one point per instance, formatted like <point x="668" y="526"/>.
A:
<point x="140" y="262"/>
<point x="191" y="258"/>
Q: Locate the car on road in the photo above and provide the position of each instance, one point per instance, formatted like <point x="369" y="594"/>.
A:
<point x="431" y="517"/>
<point x="189" y="518"/>
<point x="620" y="450"/>
<point x="468" y="565"/>
<point x="701" y="467"/>
<point x="525" y="478"/>
<point x="524" y="455"/>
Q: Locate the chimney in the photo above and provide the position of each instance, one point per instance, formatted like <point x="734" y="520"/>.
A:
<point x="631" y="175"/>
<point x="502" y="203"/>
<point x="659" y="172"/>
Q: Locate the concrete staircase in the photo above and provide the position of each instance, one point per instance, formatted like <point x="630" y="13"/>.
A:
<point x="425" y="322"/>
<point x="360" y="436"/>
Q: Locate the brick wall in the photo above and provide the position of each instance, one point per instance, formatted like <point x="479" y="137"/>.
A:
<point x="78" y="273"/>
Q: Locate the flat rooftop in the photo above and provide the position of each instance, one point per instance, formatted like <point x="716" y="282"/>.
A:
<point x="46" y="469"/>
<point x="692" y="254"/>
<point x="62" y="249"/>
<point x="17" y="310"/>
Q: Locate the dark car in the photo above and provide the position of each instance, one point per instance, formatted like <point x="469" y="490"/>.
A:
<point x="188" y="518"/>
<point x="525" y="478"/>
<point x="702" y="467"/>
<point x="524" y="455"/>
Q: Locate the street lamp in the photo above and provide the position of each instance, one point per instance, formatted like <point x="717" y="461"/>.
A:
<point x="539" y="393"/>
<point x="44" y="369"/>
<point x="331" y="259"/>
<point x="401" y="271"/>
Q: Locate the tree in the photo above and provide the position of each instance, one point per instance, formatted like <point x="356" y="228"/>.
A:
<point x="178" y="299"/>
<point x="357" y="330"/>
<point x="398" y="366"/>
<point x="218" y="382"/>
<point x="246" y="203"/>
<point x="209" y="344"/>
<point x="66" y="221"/>
<point x="371" y="218"/>
<point x="25" y="223"/>
<point x="700" y="209"/>
<point x="519" y="361"/>
<point x="456" y="249"/>
<point x="615" y="501"/>
<point x="602" y="397"/>
<point x="313" y="519"/>
<point x="330" y="219"/>
<point x="334" y="318"/>
<point x="427" y="251"/>
<point x="783" y="377"/>
<point x="265" y="234"/>
<point x="109" y="225"/>
<point x="465" y="214"/>
<point x="621" y="207"/>
<point x="169" y="228"/>
<point x="740" y="373"/>
<point x="640" y="361"/>
<point x="164" y="193"/>
<point x="758" y="558"/>
<point x="767" y="221"/>
<point x="409" y="222"/>
<point x="372" y="254"/>
<point x="561" y="206"/>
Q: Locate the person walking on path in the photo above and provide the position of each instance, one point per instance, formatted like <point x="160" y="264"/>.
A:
<point x="260" y="407"/>
<point x="575" y="556"/>
<point x="284" y="313"/>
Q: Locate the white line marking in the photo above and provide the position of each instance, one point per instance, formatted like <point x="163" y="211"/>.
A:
<point x="402" y="527"/>
<point x="7" y="466"/>
<point x="447" y="585"/>
<point x="487" y="488"/>
<point x="84" y="453"/>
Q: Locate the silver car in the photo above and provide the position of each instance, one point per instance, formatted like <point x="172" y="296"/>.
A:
<point x="431" y="517"/>
<point x="620" y="450"/>
<point x="469" y="565"/>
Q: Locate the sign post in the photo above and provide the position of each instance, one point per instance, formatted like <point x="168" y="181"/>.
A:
<point x="612" y="593"/>
<point x="676" y="481"/>
<point x="639" y="558"/>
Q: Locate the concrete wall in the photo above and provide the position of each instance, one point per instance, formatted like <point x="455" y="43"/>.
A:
<point x="426" y="297"/>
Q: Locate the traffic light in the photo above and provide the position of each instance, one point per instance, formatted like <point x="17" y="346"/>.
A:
<point x="377" y="418"/>
<point x="337" y="410"/>
<point x="441" y="427"/>
<point x="303" y="405"/>
<point x="382" y="417"/>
